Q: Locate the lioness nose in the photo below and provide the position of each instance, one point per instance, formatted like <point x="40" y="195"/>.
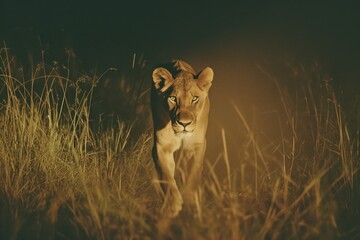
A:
<point x="185" y="123"/>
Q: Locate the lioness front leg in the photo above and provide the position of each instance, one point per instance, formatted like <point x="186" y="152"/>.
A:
<point x="196" y="166"/>
<point x="165" y="166"/>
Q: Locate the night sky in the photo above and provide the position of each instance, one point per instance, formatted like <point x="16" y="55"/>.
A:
<point x="110" y="31"/>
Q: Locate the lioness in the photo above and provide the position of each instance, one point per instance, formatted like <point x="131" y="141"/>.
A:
<point x="180" y="107"/>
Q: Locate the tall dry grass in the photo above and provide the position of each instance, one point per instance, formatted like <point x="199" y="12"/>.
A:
<point x="59" y="178"/>
<point x="63" y="178"/>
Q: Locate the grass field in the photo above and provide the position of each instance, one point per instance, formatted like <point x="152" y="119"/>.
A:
<point x="66" y="176"/>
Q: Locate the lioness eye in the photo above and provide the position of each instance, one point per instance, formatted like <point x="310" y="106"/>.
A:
<point x="172" y="98"/>
<point x="195" y="98"/>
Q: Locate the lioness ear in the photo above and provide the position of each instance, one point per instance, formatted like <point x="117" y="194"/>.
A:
<point x="205" y="78"/>
<point x="162" y="79"/>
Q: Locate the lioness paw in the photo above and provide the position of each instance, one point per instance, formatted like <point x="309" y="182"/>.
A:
<point x="173" y="203"/>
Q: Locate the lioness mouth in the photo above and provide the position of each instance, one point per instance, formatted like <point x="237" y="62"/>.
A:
<point x="181" y="129"/>
<point x="187" y="131"/>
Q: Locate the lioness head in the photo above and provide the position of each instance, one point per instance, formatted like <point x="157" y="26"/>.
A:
<point x="184" y="95"/>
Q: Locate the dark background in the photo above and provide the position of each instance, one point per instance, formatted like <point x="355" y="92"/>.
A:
<point x="233" y="37"/>
<point x="111" y="31"/>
